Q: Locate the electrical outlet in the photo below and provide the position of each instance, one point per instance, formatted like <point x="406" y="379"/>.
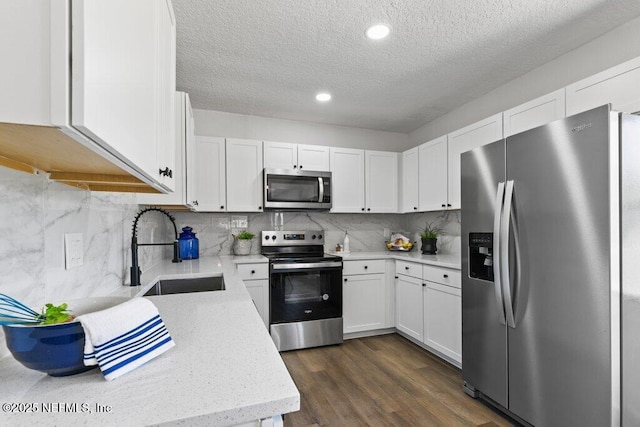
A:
<point x="73" y="250"/>
<point x="239" y="221"/>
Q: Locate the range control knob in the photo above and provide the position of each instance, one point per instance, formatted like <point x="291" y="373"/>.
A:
<point x="313" y="237"/>
<point x="266" y="237"/>
<point x="320" y="236"/>
<point x="273" y="237"/>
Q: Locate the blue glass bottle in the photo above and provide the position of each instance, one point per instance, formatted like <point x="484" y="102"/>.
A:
<point x="189" y="245"/>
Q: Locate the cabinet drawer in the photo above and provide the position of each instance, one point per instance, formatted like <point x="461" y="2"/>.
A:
<point x="363" y="267"/>
<point x="411" y="269"/>
<point x="253" y="271"/>
<point x="446" y="276"/>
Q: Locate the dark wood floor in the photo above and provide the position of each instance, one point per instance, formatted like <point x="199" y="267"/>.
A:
<point x="381" y="381"/>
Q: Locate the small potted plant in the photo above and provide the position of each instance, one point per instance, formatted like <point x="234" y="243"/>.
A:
<point x="429" y="237"/>
<point x="242" y="243"/>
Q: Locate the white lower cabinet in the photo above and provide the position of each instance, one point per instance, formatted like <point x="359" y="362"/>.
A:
<point x="429" y="307"/>
<point x="409" y="306"/>
<point x="443" y="319"/>
<point x="364" y="296"/>
<point x="256" y="280"/>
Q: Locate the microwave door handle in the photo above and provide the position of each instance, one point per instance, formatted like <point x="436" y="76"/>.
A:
<point x="321" y="192"/>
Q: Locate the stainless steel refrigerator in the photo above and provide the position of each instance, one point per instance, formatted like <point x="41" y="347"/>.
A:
<point x="551" y="272"/>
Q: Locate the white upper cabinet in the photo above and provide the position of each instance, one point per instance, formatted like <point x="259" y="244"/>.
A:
<point x="364" y="181"/>
<point x="184" y="133"/>
<point x="476" y="135"/>
<point x="116" y="67"/>
<point x="98" y="79"/>
<point x="535" y="113"/>
<point x="433" y="175"/>
<point x="381" y="184"/>
<point x="167" y="93"/>
<point x="283" y="155"/>
<point x="347" y="174"/>
<point x="280" y="155"/>
<point x="206" y="178"/>
<point x="313" y="157"/>
<point x="617" y="86"/>
<point x="244" y="175"/>
<point x="409" y="168"/>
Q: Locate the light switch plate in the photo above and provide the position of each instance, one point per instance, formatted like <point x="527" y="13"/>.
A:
<point x="239" y="221"/>
<point x="73" y="250"/>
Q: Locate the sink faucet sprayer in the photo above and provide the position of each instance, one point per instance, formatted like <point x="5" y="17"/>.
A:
<point x="135" y="269"/>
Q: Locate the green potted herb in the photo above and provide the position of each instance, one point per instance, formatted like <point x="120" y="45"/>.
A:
<point x="242" y="243"/>
<point x="429" y="236"/>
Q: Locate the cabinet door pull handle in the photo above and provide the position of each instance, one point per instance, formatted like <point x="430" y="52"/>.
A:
<point x="406" y="268"/>
<point x="415" y="208"/>
<point x="221" y="207"/>
<point x="424" y="285"/>
<point x="448" y="205"/>
<point x="295" y="167"/>
<point x="396" y="277"/>
<point x="443" y="205"/>
<point x="368" y="209"/>
<point x="345" y="279"/>
<point x="300" y="166"/>
<point x="445" y="275"/>
<point x="253" y="272"/>
<point x="363" y="209"/>
<point x="365" y="267"/>
<point x="259" y="207"/>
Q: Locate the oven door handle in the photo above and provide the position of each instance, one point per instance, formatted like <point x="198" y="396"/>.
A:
<point x="306" y="265"/>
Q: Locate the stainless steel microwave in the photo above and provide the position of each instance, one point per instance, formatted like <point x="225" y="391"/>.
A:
<point x="296" y="189"/>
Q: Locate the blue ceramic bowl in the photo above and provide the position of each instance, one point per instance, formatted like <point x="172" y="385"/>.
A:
<point x="56" y="350"/>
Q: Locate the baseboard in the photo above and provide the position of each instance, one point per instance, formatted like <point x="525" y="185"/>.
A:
<point x="431" y="350"/>
<point x="364" y="334"/>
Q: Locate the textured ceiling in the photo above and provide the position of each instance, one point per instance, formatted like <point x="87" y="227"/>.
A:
<point x="270" y="57"/>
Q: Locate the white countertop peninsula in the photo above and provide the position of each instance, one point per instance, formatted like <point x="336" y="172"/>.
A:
<point x="224" y="369"/>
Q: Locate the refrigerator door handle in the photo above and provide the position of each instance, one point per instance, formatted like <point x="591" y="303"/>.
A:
<point x="505" y="223"/>
<point x="497" y="215"/>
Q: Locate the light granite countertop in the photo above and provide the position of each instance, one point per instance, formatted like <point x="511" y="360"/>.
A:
<point x="224" y="369"/>
<point x="448" y="261"/>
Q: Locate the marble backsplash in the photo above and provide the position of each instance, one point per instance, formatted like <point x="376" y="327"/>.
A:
<point x="366" y="232"/>
<point x="35" y="213"/>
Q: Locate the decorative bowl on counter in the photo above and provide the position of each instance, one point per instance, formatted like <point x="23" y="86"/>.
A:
<point x="398" y="241"/>
<point x="57" y="349"/>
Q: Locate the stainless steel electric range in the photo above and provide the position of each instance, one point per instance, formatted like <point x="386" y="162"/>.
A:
<point x="305" y="290"/>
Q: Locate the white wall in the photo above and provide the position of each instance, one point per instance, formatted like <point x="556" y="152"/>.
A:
<point x="218" y="123"/>
<point x="606" y="51"/>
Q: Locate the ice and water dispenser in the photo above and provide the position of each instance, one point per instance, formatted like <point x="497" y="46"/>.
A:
<point x="481" y="256"/>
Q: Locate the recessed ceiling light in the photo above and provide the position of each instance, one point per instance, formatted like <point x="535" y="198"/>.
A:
<point x="377" y="32"/>
<point x="323" y="96"/>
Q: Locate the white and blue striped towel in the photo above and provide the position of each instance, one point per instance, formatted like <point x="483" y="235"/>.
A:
<point x="121" y="338"/>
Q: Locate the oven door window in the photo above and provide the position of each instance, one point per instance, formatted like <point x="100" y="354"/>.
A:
<point x="283" y="188"/>
<point x="305" y="295"/>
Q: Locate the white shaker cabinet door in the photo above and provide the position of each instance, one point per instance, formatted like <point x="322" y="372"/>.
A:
<point x="409" y="172"/>
<point x="537" y="112"/>
<point x="206" y="178"/>
<point x="313" y="157"/>
<point x="433" y="175"/>
<point x="443" y="319"/>
<point x="347" y="170"/>
<point x="364" y="302"/>
<point x="381" y="184"/>
<point x="476" y="135"/>
<point x="409" y="306"/>
<point x="167" y="91"/>
<point x="244" y="175"/>
<point x="280" y="155"/>
<point x="115" y="77"/>
<point x="617" y="86"/>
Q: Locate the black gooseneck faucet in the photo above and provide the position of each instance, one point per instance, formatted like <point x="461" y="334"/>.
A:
<point x="135" y="269"/>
